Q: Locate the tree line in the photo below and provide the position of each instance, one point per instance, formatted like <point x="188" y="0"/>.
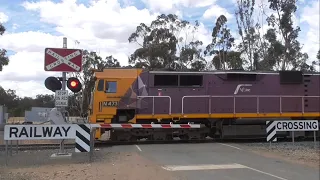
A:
<point x="170" y="43"/>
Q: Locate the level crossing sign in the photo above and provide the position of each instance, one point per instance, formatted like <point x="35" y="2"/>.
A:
<point x="63" y="60"/>
<point x="292" y="125"/>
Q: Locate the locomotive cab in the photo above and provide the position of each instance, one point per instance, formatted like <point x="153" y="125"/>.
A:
<point x="109" y="98"/>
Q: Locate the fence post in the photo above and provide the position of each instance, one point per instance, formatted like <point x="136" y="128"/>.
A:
<point x="6" y="152"/>
<point x="315" y="139"/>
<point x="17" y="147"/>
<point x="10" y="147"/>
<point x="92" y="138"/>
<point x="292" y="134"/>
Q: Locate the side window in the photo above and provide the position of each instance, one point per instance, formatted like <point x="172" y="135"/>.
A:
<point x="111" y="86"/>
<point x="100" y="85"/>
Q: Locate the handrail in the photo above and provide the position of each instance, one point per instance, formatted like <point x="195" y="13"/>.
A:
<point x="249" y="96"/>
<point x="153" y="101"/>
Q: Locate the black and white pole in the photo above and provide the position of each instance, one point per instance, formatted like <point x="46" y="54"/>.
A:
<point x="271" y="131"/>
<point x="83" y="138"/>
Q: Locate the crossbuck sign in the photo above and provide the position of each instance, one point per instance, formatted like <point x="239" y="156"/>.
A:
<point x="63" y="60"/>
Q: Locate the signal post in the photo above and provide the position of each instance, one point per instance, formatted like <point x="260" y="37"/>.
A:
<point x="63" y="60"/>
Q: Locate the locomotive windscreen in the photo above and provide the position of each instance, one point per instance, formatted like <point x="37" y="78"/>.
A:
<point x="291" y="77"/>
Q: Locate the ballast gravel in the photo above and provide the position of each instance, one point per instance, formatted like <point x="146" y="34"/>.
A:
<point x="306" y="153"/>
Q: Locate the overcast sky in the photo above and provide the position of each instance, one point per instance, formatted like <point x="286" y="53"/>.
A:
<point x="104" y="26"/>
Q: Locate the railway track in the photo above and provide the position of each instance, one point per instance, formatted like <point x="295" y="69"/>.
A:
<point x="109" y="143"/>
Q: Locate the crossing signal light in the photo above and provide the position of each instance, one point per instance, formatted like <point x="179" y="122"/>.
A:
<point x="74" y="84"/>
<point x="53" y="83"/>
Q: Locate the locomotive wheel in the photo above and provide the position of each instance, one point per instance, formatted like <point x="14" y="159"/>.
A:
<point x="184" y="137"/>
<point x="159" y="136"/>
<point x="123" y="135"/>
<point x="169" y="137"/>
<point x="212" y="132"/>
<point x="203" y="136"/>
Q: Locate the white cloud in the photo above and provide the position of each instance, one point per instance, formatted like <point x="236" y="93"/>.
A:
<point x="31" y="41"/>
<point x="25" y="66"/>
<point x="310" y="14"/>
<point x="15" y="26"/>
<point x="3" y="17"/>
<point x="215" y="11"/>
<point x="103" y="26"/>
<point x="29" y="88"/>
<point x="168" y="6"/>
<point x="25" y="74"/>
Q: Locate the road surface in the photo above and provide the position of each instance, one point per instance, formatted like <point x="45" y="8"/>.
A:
<point x="215" y="161"/>
<point x="202" y="161"/>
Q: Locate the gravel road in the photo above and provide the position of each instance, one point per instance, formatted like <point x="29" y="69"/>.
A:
<point x="37" y="165"/>
<point x="305" y="153"/>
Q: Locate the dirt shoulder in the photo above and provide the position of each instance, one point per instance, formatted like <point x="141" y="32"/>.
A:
<point x="120" y="166"/>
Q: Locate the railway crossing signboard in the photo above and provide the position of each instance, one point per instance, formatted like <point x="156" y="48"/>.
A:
<point x="37" y="132"/>
<point x="61" y="98"/>
<point x="63" y="60"/>
<point x="303" y="125"/>
<point x="291" y="125"/>
<point x="82" y="133"/>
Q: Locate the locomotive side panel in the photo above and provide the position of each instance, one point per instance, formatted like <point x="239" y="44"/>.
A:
<point x="254" y="93"/>
<point x="311" y="89"/>
<point x="174" y="86"/>
<point x="143" y="101"/>
<point x="285" y="88"/>
<point x="165" y="88"/>
<point x="260" y="93"/>
<point x="196" y="104"/>
<point x="162" y="101"/>
<point x="223" y="88"/>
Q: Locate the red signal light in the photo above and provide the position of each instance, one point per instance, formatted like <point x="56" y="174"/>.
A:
<point x="74" y="84"/>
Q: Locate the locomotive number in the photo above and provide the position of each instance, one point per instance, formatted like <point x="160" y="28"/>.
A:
<point x="110" y="103"/>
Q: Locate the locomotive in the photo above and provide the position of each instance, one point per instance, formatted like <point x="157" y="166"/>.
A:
<point x="223" y="103"/>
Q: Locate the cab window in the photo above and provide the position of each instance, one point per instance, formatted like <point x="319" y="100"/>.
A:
<point x="100" y="85"/>
<point x="111" y="87"/>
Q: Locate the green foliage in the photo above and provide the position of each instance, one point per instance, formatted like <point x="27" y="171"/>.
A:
<point x="222" y="42"/>
<point x="4" y="60"/>
<point x="288" y="52"/>
<point x="252" y="45"/>
<point x="18" y="105"/>
<point x="163" y="46"/>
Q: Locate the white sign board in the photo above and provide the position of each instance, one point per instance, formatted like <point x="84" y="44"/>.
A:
<point x="33" y="132"/>
<point x="61" y="98"/>
<point x="300" y="125"/>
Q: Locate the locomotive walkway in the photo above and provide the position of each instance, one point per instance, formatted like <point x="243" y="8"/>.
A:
<point x="223" y="162"/>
